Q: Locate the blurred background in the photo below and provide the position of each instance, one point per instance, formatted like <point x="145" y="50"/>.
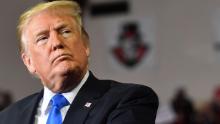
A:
<point x="172" y="46"/>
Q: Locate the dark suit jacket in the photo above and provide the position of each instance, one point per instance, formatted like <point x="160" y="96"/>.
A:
<point x="111" y="103"/>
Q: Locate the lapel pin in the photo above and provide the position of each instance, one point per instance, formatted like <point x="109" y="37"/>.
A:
<point x="88" y="104"/>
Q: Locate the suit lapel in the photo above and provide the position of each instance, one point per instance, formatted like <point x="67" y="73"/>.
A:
<point x="85" y="100"/>
<point x="28" y="113"/>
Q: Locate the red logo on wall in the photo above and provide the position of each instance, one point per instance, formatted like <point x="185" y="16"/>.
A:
<point x="130" y="48"/>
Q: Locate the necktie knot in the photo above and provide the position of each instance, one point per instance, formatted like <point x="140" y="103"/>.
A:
<point x="59" y="101"/>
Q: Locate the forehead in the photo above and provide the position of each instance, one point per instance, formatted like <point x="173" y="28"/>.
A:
<point x="48" y="19"/>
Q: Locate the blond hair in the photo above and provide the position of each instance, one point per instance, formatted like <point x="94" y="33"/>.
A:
<point x="72" y="8"/>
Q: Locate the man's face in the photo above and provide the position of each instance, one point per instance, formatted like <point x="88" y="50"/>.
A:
<point x="55" y="52"/>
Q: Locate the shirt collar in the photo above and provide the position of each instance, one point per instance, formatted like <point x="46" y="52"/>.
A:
<point x="48" y="94"/>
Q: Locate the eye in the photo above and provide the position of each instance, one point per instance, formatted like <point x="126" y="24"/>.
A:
<point x="42" y="38"/>
<point x="65" y="32"/>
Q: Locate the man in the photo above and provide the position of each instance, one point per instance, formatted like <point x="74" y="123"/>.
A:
<point x="55" y="48"/>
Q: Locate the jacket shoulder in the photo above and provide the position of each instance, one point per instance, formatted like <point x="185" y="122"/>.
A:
<point x="131" y="88"/>
<point x="14" y="109"/>
<point x="127" y="103"/>
<point x="125" y="92"/>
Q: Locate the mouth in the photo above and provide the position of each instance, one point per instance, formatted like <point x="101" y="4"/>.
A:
<point x="62" y="57"/>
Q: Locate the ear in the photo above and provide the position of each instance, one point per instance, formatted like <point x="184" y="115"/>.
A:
<point x="28" y="63"/>
<point x="87" y="51"/>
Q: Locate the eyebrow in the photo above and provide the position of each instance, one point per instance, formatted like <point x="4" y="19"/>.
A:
<point x="41" y="32"/>
<point x="60" y="26"/>
<point x="57" y="28"/>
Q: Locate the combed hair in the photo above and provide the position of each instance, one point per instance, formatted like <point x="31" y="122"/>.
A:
<point x="72" y="8"/>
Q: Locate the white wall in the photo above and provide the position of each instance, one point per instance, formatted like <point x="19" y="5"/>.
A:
<point x="184" y="56"/>
<point x="13" y="75"/>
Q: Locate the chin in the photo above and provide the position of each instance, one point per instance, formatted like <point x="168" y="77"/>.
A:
<point x="65" y="79"/>
<point x="63" y="67"/>
<point x="65" y="85"/>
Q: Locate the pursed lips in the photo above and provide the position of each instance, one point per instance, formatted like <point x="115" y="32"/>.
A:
<point x="65" y="55"/>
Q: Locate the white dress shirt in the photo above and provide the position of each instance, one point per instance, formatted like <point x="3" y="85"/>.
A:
<point x="45" y="106"/>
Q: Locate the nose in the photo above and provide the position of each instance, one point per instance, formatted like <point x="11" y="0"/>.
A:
<point x="56" y="41"/>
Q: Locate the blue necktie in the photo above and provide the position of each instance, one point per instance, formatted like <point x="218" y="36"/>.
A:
<point x="58" y="102"/>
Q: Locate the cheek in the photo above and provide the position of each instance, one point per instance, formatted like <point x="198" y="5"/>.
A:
<point x="79" y="54"/>
<point x="40" y="58"/>
<point x="84" y="57"/>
